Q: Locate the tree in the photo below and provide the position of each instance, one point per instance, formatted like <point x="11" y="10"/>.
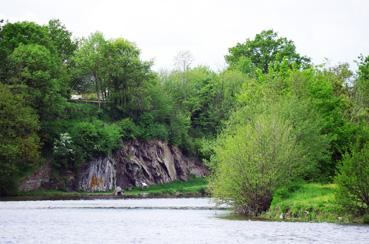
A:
<point x="253" y="161"/>
<point x="183" y="61"/>
<point x="128" y="80"/>
<point x="36" y="67"/>
<point x="90" y="63"/>
<point x="14" y="34"/>
<point x="265" y="51"/>
<point x="19" y="143"/>
<point x="361" y="92"/>
<point x="353" y="180"/>
<point x="62" y="40"/>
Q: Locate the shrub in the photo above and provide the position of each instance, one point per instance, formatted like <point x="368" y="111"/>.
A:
<point x="96" y="138"/>
<point x="129" y="129"/>
<point x="152" y="128"/>
<point x="84" y="141"/>
<point x="253" y="161"/>
<point x="353" y="180"/>
<point x="64" y="151"/>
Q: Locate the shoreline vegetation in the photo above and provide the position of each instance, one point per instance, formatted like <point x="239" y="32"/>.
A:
<point x="269" y="119"/>
<point x="301" y="202"/>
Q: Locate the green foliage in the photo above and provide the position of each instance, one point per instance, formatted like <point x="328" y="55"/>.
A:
<point x="14" y="34"/>
<point x="192" y="186"/>
<point x="89" y="69"/>
<point x="130" y="131"/>
<point x="152" y="129"/>
<point x="64" y="152"/>
<point x="19" y="143"/>
<point x="82" y="111"/>
<point x="360" y="111"/>
<point x="129" y="81"/>
<point x="353" y="180"/>
<point x="83" y="141"/>
<point x="306" y="202"/>
<point x="254" y="160"/>
<point x="61" y="39"/>
<point x="267" y="119"/>
<point x="96" y="138"/>
<point x="203" y="100"/>
<point x="290" y="99"/>
<point x="36" y="67"/>
<point x="266" y="51"/>
<point x="114" y="69"/>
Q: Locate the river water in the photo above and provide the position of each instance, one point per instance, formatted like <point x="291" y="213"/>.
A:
<point x="186" y="220"/>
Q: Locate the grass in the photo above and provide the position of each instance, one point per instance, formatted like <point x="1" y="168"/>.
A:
<point x="307" y="202"/>
<point x="195" y="187"/>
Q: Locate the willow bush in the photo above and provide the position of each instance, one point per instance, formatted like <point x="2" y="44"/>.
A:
<point x="253" y="161"/>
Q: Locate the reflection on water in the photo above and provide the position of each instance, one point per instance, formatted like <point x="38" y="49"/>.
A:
<point x="154" y="221"/>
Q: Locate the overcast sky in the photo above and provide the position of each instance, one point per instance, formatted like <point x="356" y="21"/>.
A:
<point x="334" y="29"/>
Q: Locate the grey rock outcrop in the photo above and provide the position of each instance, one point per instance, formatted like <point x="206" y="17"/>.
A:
<point x="137" y="164"/>
<point x="38" y="179"/>
<point x="99" y="175"/>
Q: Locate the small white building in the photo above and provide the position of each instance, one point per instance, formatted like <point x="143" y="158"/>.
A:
<point x="75" y="97"/>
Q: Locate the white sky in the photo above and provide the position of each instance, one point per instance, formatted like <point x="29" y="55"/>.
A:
<point x="333" y="29"/>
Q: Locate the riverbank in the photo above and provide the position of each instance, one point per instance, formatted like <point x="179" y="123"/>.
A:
<point x="196" y="187"/>
<point x="304" y="202"/>
<point x="309" y="202"/>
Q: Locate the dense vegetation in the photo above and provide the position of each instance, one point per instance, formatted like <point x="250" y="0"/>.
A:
<point x="271" y="118"/>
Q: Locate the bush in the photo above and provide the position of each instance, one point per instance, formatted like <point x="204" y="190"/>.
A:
<point x="84" y="141"/>
<point x="253" y="161"/>
<point x="129" y="129"/>
<point x="353" y="180"/>
<point x="96" y="138"/>
<point x="64" y="151"/>
<point x="151" y="128"/>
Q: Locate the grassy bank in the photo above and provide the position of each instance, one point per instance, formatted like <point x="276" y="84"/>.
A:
<point x="308" y="202"/>
<point x="196" y="187"/>
<point x="193" y="187"/>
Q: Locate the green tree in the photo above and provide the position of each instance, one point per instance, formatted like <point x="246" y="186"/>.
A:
<point x="361" y="92"/>
<point x="90" y="64"/>
<point x="353" y="180"/>
<point x="265" y="51"/>
<point x="62" y="40"/>
<point x="253" y="161"/>
<point x="19" y="143"/>
<point x="37" y="68"/>
<point x="128" y="80"/>
<point x="14" y="34"/>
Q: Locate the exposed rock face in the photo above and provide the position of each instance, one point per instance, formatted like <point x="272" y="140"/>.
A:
<point x="150" y="162"/>
<point x="39" y="178"/>
<point x="100" y="175"/>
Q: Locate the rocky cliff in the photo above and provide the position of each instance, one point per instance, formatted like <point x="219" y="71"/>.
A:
<point x="139" y="163"/>
<point x="38" y="179"/>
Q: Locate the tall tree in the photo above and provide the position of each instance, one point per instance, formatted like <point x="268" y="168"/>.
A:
<point x="90" y="62"/>
<point x="361" y="91"/>
<point x="62" y="40"/>
<point x="265" y="51"/>
<point x="128" y="79"/>
<point x="37" y="68"/>
<point x="19" y="143"/>
<point x="14" y="34"/>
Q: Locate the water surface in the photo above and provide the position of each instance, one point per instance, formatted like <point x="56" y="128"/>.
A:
<point x="187" y="220"/>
